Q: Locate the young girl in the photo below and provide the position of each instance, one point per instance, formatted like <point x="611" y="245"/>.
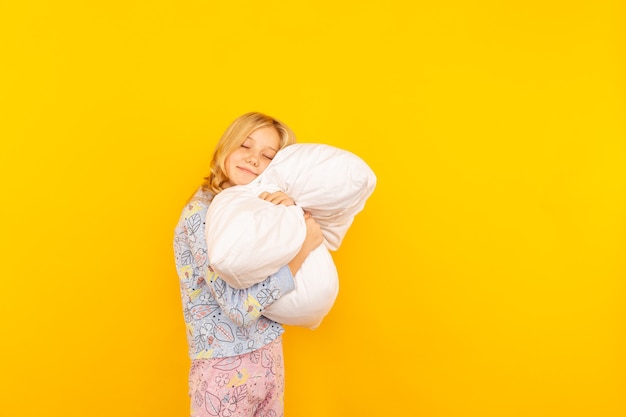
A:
<point x="236" y="353"/>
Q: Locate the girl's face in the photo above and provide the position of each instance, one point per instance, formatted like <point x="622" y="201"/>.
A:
<point x="245" y="163"/>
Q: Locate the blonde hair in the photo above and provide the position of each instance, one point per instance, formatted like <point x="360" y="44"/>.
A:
<point x="232" y="139"/>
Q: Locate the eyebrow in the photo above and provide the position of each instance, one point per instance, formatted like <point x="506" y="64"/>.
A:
<point x="252" y="139"/>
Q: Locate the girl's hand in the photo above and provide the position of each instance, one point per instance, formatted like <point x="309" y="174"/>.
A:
<point x="277" y="198"/>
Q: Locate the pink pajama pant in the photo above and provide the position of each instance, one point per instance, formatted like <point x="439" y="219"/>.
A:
<point x="248" y="385"/>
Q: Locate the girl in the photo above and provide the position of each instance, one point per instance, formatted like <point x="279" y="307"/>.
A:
<point x="236" y="353"/>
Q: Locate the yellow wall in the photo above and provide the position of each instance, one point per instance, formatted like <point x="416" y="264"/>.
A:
<point x="484" y="278"/>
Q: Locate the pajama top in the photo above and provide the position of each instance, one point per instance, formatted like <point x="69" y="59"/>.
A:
<point x="221" y="321"/>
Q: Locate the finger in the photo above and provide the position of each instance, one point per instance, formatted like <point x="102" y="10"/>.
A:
<point x="285" y="201"/>
<point x="275" y="198"/>
<point x="275" y="194"/>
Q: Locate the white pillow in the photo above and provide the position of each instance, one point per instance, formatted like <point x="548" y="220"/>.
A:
<point x="249" y="239"/>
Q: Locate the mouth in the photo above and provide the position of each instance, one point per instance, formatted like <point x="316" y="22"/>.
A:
<point x="247" y="171"/>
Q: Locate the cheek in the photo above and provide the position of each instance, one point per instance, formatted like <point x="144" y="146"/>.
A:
<point x="227" y="165"/>
<point x="263" y="165"/>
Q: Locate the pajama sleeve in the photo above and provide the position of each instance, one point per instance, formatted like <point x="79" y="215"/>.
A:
<point x="244" y="306"/>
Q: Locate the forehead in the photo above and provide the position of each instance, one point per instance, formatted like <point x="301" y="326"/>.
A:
<point x="266" y="137"/>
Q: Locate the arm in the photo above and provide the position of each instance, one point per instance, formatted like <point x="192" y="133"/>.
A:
<point x="245" y="306"/>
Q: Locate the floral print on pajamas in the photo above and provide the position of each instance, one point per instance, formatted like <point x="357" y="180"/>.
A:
<point x="238" y="386"/>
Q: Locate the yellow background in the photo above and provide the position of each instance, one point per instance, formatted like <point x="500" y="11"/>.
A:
<point x="485" y="276"/>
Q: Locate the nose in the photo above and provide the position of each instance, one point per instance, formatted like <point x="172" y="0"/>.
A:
<point x="252" y="160"/>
